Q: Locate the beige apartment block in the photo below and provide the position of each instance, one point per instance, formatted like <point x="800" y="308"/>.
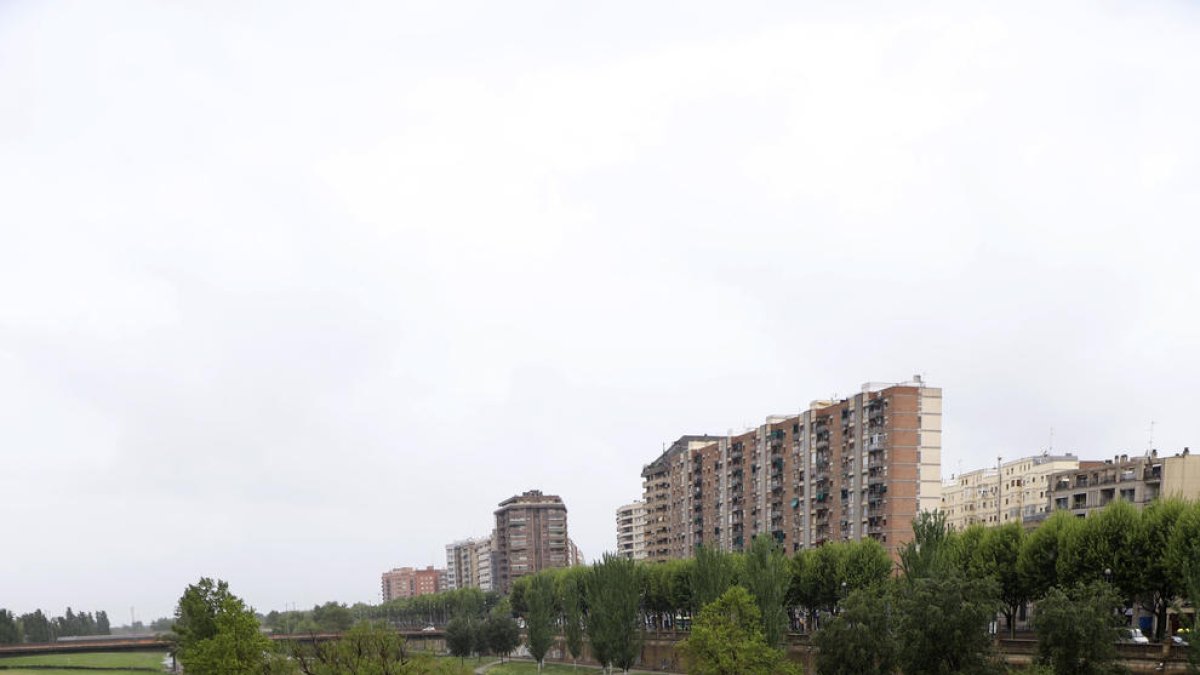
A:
<point x="631" y="531"/>
<point x="848" y="469"/>
<point x="1015" y="491"/>
<point x="1138" y="480"/>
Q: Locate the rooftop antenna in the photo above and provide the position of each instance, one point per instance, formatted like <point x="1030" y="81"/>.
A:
<point x="1150" y="441"/>
<point x="1051" y="448"/>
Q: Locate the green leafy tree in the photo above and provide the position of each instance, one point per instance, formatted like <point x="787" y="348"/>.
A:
<point x="332" y="617"/>
<point x="996" y="556"/>
<point x="1103" y="547"/>
<point x="1076" y="629"/>
<point x="503" y="634"/>
<point x="1037" y="563"/>
<point x="962" y="548"/>
<point x="681" y="585"/>
<point x="366" y="649"/>
<point x="460" y="637"/>
<point x="712" y="573"/>
<point x="861" y="639"/>
<point x="767" y="578"/>
<point x="103" y="627"/>
<point x="822" y="577"/>
<point x="614" y="621"/>
<point x="942" y="624"/>
<point x="479" y="635"/>
<point x="1183" y="564"/>
<point x="657" y="594"/>
<point x="10" y="633"/>
<point x="516" y="595"/>
<point x="931" y="551"/>
<point x="571" y="600"/>
<point x="196" y="613"/>
<point x="1158" y="587"/>
<point x="864" y="564"/>
<point x="727" y="639"/>
<point x="36" y="626"/>
<point x="217" y="633"/>
<point x="539" y="631"/>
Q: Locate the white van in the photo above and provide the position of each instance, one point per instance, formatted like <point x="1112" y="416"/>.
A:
<point x="1132" y="636"/>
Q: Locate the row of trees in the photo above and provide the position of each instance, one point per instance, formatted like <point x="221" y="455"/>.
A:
<point x="412" y="613"/>
<point x="37" y="627"/>
<point x="933" y="616"/>
<point x="215" y="633"/>
<point x="613" y="601"/>
<point x="1151" y="557"/>
<point x="810" y="581"/>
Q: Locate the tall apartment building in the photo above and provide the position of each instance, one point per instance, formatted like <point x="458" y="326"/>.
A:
<point x="664" y="483"/>
<point x="1015" y="491"/>
<point x="468" y="564"/>
<point x="849" y="469"/>
<point x="459" y="567"/>
<point x="530" y="535"/>
<point x="631" y="531"/>
<point x="1138" y="480"/>
<point x="406" y="582"/>
<point x="484" y="564"/>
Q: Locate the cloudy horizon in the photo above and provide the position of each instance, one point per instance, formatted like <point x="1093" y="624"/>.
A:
<point x="293" y="295"/>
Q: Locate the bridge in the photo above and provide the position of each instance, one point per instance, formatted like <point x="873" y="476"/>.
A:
<point x="434" y="639"/>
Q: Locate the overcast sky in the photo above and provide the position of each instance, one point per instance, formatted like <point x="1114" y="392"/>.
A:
<point x="294" y="293"/>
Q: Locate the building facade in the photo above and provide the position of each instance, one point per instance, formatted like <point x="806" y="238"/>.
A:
<point x="484" y="561"/>
<point x="849" y="469"/>
<point x="1138" y="480"/>
<point x="468" y="564"/>
<point x="407" y="582"/>
<point x="1014" y="491"/>
<point x="631" y="531"/>
<point x="530" y="535"/>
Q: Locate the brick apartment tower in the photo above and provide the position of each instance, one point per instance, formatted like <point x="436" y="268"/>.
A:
<point x="530" y="535"/>
<point x="841" y="470"/>
<point x="406" y="582"/>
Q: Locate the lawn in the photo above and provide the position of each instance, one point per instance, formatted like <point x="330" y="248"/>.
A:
<point x="152" y="660"/>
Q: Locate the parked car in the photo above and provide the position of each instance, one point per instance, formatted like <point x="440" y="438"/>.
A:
<point x="1132" y="636"/>
<point x="1178" y="641"/>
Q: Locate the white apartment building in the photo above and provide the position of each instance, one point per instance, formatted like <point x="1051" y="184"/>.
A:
<point x="1015" y="491"/>
<point x="631" y="531"/>
<point x="469" y="564"/>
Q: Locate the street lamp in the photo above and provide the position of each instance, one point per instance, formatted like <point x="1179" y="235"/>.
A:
<point x="1108" y="575"/>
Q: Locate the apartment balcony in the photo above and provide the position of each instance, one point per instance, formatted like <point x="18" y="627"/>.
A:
<point x="1152" y="474"/>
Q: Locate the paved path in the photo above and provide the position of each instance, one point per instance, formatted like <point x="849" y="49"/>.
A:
<point x="484" y="668"/>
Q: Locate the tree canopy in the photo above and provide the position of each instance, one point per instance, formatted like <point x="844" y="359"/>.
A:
<point x="727" y="639"/>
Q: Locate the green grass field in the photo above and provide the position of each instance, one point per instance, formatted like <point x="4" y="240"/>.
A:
<point x="106" y="659"/>
<point x="529" y="668"/>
